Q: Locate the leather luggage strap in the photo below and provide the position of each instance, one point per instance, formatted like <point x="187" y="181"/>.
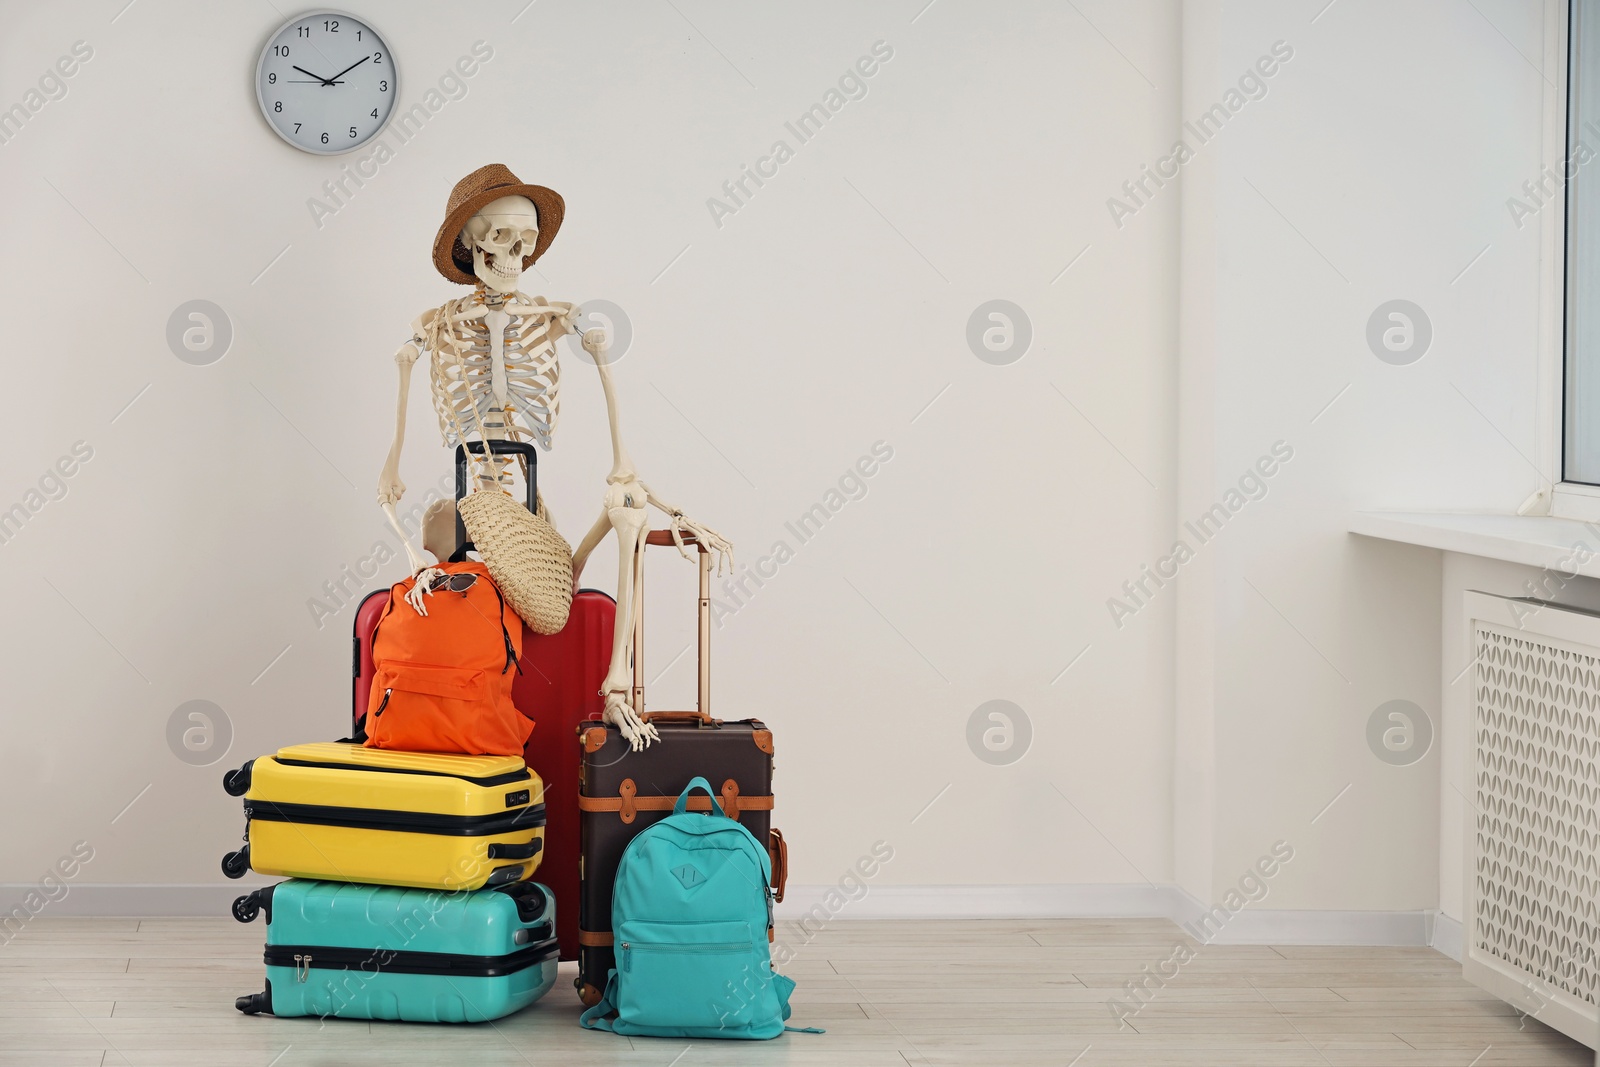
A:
<point x="629" y="803"/>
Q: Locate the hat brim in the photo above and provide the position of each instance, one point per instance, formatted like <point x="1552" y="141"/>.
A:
<point x="547" y="202"/>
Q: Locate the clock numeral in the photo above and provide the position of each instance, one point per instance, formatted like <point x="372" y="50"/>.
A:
<point x="305" y="31"/>
<point x="358" y="35"/>
<point x="377" y="57"/>
<point x="297" y="127"/>
<point x="280" y="49"/>
<point x="352" y="131"/>
<point x="272" y="79"/>
<point x="374" y="112"/>
<point x="324" y="138"/>
<point x="331" y="27"/>
<point x="277" y="105"/>
<point x="383" y="87"/>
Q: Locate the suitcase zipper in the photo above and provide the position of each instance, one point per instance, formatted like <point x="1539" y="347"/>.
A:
<point x="516" y="820"/>
<point x="386" y="961"/>
<point x="493" y="780"/>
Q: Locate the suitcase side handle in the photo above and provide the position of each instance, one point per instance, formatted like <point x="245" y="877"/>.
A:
<point x="778" y="850"/>
<point x="501" y="850"/>
<point x="702" y="713"/>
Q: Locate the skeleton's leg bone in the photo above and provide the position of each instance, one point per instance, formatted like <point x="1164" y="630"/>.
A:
<point x="590" y="542"/>
<point x="627" y="516"/>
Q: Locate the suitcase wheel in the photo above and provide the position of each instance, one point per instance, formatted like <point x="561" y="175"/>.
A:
<point x="255" y="1003"/>
<point x="237" y="782"/>
<point x="234" y="864"/>
<point x="530" y="898"/>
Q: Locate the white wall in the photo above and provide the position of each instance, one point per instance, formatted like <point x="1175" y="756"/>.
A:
<point x="823" y="317"/>
<point x="1377" y="167"/>
<point x="818" y="320"/>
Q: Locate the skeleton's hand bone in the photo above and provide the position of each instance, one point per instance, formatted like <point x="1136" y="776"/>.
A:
<point x="720" y="547"/>
<point x="423" y="587"/>
<point x="635" y="730"/>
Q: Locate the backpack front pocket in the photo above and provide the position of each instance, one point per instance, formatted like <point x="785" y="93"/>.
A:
<point x="429" y="709"/>
<point x="703" y="976"/>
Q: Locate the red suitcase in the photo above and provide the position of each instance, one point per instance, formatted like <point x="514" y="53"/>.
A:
<point x="558" y="688"/>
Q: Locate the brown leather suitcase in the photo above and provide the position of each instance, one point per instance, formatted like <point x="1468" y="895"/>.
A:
<point x="622" y="791"/>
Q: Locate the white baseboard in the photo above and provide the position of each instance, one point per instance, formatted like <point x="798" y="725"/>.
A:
<point x="980" y="902"/>
<point x="1246" y="927"/>
<point x="1123" y="901"/>
<point x="1447" y="936"/>
<point x="212" y="900"/>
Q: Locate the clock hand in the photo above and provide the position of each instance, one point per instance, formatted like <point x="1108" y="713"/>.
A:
<point x="320" y="78"/>
<point x="351" y="67"/>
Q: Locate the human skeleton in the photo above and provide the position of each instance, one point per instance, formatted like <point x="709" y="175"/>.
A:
<point x="494" y="350"/>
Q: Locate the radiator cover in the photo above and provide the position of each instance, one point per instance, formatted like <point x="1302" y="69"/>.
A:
<point x="1534" y="857"/>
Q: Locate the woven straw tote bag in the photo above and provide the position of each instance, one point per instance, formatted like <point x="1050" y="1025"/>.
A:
<point x="526" y="557"/>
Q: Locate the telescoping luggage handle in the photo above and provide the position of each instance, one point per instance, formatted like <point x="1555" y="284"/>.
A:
<point x="530" y="456"/>
<point x="702" y="715"/>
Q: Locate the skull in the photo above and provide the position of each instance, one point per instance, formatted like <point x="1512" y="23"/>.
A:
<point x="500" y="236"/>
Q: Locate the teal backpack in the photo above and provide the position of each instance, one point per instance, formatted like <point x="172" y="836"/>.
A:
<point x="690" y="915"/>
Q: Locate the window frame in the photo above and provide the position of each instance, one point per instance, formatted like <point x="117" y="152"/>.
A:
<point x="1577" y="500"/>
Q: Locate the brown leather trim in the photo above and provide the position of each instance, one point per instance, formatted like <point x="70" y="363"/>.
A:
<point x="763" y="740"/>
<point x="730" y="798"/>
<point x="625" y="801"/>
<point x="596" y="938"/>
<point x="594" y="739"/>
<point x="778" y="850"/>
<point x="635" y="804"/>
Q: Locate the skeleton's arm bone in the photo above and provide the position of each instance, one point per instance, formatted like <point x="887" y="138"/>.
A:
<point x="390" y="487"/>
<point x="595" y="343"/>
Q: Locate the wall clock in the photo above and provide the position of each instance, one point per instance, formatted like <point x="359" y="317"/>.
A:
<point x="326" y="82"/>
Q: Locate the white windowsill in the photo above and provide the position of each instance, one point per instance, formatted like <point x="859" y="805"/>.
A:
<point x="1532" y="540"/>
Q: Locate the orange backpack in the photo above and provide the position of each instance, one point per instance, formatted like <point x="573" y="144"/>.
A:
<point x="442" y="681"/>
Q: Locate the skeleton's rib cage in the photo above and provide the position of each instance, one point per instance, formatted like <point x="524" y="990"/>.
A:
<point x="518" y="393"/>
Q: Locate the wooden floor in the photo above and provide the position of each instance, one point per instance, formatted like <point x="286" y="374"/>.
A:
<point x="93" y="992"/>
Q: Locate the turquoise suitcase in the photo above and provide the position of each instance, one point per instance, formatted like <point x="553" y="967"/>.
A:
<point x="338" y="949"/>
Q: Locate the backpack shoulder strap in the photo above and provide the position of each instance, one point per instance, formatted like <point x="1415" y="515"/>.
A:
<point x="597" y="1017"/>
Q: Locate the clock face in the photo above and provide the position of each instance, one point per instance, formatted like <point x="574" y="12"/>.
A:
<point x="326" y="82"/>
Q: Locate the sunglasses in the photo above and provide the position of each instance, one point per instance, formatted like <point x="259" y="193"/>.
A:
<point x="455" y="583"/>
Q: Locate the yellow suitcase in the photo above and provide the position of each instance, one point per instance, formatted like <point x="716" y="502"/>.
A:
<point x="346" y="813"/>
